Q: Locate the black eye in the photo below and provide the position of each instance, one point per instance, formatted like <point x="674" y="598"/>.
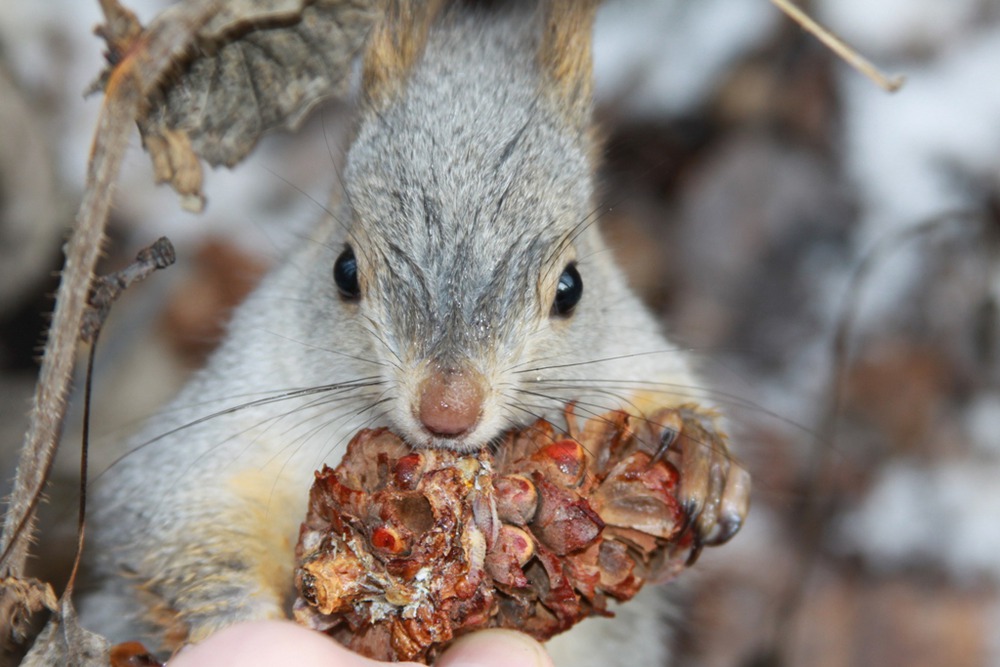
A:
<point x="568" y="291"/>
<point x="345" y="274"/>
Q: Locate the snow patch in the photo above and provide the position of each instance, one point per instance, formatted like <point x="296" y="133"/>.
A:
<point x="895" y="26"/>
<point x="906" y="152"/>
<point x="983" y="424"/>
<point x="945" y="515"/>
<point x="665" y="56"/>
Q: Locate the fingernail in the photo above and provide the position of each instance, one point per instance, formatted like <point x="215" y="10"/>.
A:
<point x="495" y="648"/>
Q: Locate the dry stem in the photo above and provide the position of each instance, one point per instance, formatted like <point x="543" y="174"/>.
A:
<point x="838" y="46"/>
<point x="128" y="86"/>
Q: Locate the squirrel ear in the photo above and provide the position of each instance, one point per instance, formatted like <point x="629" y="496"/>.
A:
<point x="396" y="42"/>
<point x="565" y="54"/>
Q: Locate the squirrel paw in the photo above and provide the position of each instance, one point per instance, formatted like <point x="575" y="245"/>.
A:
<point x="714" y="486"/>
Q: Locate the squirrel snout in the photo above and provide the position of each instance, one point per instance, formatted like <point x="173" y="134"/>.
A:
<point x="451" y="401"/>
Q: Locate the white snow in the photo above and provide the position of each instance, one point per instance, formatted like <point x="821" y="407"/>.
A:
<point x="943" y="514"/>
<point x="663" y="56"/>
<point x="982" y="421"/>
<point x="891" y="27"/>
<point x="907" y="152"/>
<point x="918" y="154"/>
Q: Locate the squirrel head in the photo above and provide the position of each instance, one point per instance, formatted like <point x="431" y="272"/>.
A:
<point x="471" y="254"/>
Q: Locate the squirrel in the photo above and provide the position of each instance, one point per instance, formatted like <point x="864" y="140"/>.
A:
<point x="459" y="290"/>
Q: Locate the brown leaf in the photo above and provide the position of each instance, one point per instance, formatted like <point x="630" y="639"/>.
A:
<point x="28" y="597"/>
<point x="233" y="15"/>
<point x="260" y="66"/>
<point x="64" y="642"/>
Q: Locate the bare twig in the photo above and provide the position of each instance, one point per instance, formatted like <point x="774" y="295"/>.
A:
<point x="142" y="59"/>
<point x="49" y="405"/>
<point x="838" y="46"/>
<point x="105" y="292"/>
<point x="108" y="288"/>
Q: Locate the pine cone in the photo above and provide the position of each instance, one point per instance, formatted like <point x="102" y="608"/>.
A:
<point x="403" y="550"/>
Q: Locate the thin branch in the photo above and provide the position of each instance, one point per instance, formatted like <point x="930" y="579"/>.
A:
<point x="135" y="74"/>
<point x="107" y="289"/>
<point x="838" y="46"/>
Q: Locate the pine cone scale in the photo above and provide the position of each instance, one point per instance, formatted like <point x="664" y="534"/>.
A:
<point x="403" y="550"/>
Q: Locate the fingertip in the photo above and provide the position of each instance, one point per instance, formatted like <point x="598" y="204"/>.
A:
<point x="495" y="648"/>
<point x="268" y="643"/>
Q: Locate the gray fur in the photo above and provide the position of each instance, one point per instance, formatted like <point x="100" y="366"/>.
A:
<point x="466" y="197"/>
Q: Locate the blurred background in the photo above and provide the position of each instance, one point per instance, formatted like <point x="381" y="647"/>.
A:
<point x="829" y="253"/>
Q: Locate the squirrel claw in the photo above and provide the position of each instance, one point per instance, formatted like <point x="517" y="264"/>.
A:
<point x="733" y="505"/>
<point x="714" y="486"/>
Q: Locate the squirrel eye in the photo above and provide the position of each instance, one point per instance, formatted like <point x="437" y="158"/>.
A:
<point x="568" y="291"/>
<point x="345" y="274"/>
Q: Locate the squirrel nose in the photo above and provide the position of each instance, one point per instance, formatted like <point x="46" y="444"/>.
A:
<point x="451" y="401"/>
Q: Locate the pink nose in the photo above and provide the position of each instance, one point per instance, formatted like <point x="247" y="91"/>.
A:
<point x="451" y="401"/>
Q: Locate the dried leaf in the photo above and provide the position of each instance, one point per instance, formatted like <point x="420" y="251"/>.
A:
<point x="260" y="66"/>
<point x="64" y="642"/>
<point x="235" y="14"/>
<point x="29" y="596"/>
